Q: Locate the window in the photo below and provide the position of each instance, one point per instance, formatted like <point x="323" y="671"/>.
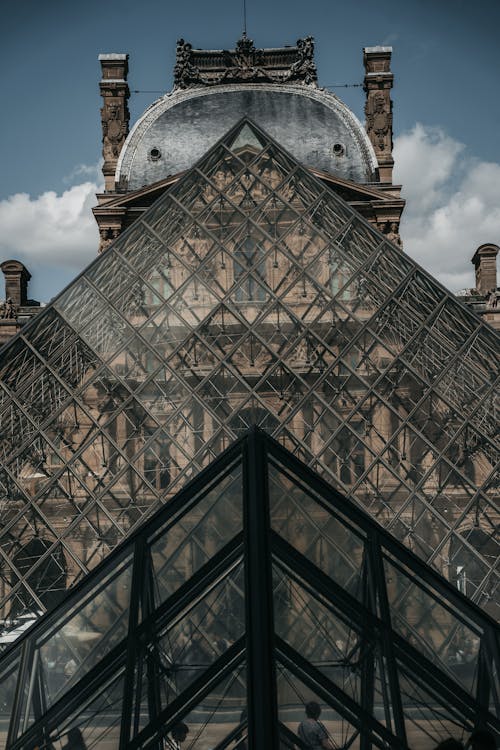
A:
<point x="249" y="255"/>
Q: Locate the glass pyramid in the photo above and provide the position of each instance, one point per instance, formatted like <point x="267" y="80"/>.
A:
<point x="249" y="293"/>
<point x="256" y="590"/>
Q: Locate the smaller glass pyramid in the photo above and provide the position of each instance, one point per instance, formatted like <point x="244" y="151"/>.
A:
<point x="256" y="590"/>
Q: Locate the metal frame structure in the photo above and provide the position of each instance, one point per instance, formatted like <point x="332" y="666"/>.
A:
<point x="155" y="359"/>
<point x="280" y="624"/>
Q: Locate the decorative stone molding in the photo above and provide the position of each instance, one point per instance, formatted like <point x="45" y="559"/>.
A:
<point x="377" y="85"/>
<point x="245" y="64"/>
<point x="115" y="115"/>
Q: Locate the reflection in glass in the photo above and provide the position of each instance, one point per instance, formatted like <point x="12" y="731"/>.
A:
<point x="324" y="538"/>
<point x="78" y="643"/>
<point x="437" y="631"/>
<point x="182" y="548"/>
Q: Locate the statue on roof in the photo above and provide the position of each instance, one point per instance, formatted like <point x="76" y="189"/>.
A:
<point x="304" y="68"/>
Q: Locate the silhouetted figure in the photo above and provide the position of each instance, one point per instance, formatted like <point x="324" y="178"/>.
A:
<point x="179" y="733"/>
<point x="311" y="731"/>
<point x="481" y="739"/>
<point x="75" y="740"/>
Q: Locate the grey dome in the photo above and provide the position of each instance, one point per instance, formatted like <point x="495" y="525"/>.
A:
<point x="176" y="130"/>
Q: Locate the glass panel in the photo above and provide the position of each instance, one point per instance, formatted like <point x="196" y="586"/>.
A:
<point x="324" y="538"/>
<point x="199" y="636"/>
<point x="8" y="680"/>
<point x="427" y="720"/>
<point x="293" y="696"/>
<point x="309" y="626"/>
<point x="421" y="617"/>
<point x="77" y="643"/>
<point x="97" y="723"/>
<point x="217" y="716"/>
<point x="185" y="545"/>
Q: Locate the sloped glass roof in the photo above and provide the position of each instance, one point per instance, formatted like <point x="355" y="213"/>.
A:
<point x="249" y="293"/>
<point x="256" y="590"/>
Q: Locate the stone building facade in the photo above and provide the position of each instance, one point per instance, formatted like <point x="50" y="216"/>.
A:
<point x="250" y="273"/>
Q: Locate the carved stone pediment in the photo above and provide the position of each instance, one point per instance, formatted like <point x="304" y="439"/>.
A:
<point x="244" y="64"/>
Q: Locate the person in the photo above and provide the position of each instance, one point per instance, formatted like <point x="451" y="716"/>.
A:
<point x="75" y="740"/>
<point x="179" y="733"/>
<point x="481" y="739"/>
<point x="311" y="731"/>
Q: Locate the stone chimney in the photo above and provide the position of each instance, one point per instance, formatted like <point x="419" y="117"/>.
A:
<point x="378" y="109"/>
<point x="485" y="263"/>
<point x="115" y="115"/>
<point x="16" y="282"/>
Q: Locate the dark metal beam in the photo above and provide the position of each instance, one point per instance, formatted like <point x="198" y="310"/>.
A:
<point x="261" y="675"/>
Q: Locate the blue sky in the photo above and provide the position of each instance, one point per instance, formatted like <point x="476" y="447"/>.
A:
<point x="446" y="109"/>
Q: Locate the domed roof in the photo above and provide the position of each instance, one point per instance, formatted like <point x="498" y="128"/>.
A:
<point x="311" y="123"/>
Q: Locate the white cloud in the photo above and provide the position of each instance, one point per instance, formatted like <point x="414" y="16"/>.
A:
<point x="55" y="229"/>
<point x="90" y="172"/>
<point x="453" y="203"/>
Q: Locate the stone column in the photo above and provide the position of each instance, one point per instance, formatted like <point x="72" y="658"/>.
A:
<point x="378" y="109"/>
<point x="16" y="282"/>
<point x="114" y="112"/>
<point x="485" y="264"/>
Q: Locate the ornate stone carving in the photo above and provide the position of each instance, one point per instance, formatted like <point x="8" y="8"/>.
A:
<point x="185" y="73"/>
<point x="114" y="112"/>
<point x="377" y="85"/>
<point x="304" y="68"/>
<point x="393" y="234"/>
<point x="244" y="64"/>
<point x="8" y="310"/>
<point x="114" y="130"/>
<point x="391" y="231"/>
<point x="107" y="236"/>
<point x="379" y="120"/>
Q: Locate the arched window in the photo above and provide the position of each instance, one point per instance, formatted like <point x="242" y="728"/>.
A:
<point x="48" y="581"/>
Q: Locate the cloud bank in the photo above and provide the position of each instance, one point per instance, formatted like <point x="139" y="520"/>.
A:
<point x="58" y="229"/>
<point x="453" y="206"/>
<point x="453" y="203"/>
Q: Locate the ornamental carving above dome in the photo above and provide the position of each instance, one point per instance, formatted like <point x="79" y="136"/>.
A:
<point x="245" y="64"/>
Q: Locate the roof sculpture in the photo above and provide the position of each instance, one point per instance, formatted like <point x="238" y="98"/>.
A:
<point x="247" y="294"/>
<point x="245" y="64"/>
<point x="222" y="613"/>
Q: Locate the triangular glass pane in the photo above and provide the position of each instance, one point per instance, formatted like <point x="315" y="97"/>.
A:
<point x="220" y="713"/>
<point x="246" y="136"/>
<point x="75" y="644"/>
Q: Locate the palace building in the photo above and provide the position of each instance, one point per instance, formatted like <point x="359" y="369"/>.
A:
<point x="250" y="276"/>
